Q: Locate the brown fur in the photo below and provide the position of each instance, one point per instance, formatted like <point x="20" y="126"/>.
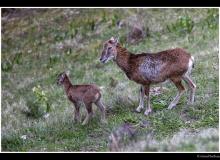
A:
<point x="86" y="93"/>
<point x="129" y="63"/>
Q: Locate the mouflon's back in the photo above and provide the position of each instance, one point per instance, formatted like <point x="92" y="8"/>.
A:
<point x="89" y="92"/>
<point x="159" y="66"/>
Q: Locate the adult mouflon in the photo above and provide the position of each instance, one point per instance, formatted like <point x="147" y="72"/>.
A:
<point x="152" y="68"/>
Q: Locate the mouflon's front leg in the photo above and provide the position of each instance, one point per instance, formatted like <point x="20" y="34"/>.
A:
<point x="141" y="100"/>
<point x="77" y="112"/>
<point x="89" y="113"/>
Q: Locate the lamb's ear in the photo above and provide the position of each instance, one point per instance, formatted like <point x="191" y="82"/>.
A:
<point x="63" y="74"/>
<point x="68" y="73"/>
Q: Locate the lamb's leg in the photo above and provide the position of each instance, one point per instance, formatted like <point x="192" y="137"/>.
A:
<point x="77" y="112"/>
<point x="89" y="113"/>
<point x="141" y="100"/>
<point x="147" y="93"/>
<point x="192" y="88"/>
<point x="181" y="89"/>
<point x="101" y="107"/>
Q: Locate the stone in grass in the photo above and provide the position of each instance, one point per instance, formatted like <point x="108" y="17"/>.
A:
<point x="135" y="34"/>
<point x="126" y="131"/>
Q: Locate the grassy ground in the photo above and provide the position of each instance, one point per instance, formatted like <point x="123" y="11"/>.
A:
<point x="39" y="44"/>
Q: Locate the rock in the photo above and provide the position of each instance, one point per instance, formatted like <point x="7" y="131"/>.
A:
<point x="135" y="35"/>
<point x="116" y="138"/>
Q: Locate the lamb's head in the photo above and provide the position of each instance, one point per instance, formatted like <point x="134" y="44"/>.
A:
<point x="61" y="77"/>
<point x="109" y="50"/>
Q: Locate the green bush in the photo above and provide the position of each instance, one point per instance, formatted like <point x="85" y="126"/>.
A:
<point x="40" y="106"/>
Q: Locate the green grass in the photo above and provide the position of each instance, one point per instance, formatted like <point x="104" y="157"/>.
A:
<point x="37" y="47"/>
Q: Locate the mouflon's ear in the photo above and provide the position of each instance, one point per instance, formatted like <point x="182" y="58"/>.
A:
<point x="112" y="39"/>
<point x="117" y="40"/>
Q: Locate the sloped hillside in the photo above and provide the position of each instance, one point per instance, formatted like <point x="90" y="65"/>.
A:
<point x="38" y="44"/>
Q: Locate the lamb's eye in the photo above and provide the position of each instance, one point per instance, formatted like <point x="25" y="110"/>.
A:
<point x="109" y="48"/>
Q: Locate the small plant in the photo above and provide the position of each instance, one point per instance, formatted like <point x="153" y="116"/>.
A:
<point x="131" y="119"/>
<point x="91" y="24"/>
<point x="104" y="16"/>
<point x="7" y="66"/>
<point x="53" y="60"/>
<point x="183" y="26"/>
<point x="115" y="18"/>
<point x="212" y="19"/>
<point x="40" y="106"/>
<point x="159" y="105"/>
<point x="17" y="58"/>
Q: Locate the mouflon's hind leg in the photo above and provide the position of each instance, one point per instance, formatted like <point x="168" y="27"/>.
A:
<point x="181" y="89"/>
<point x="102" y="109"/>
<point x="77" y="112"/>
<point x="192" y="88"/>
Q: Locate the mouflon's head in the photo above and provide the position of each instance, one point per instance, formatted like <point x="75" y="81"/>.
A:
<point x="61" y="77"/>
<point x="109" y="50"/>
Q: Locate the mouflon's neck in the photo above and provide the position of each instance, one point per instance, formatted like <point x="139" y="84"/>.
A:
<point x="122" y="58"/>
<point x="67" y="84"/>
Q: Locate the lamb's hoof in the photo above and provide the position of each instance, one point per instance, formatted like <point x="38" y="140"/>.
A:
<point x="138" y="109"/>
<point x="147" y="112"/>
<point x="84" y="123"/>
<point x="171" y="106"/>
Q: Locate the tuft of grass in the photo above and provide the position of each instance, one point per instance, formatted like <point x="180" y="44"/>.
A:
<point x="166" y="123"/>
